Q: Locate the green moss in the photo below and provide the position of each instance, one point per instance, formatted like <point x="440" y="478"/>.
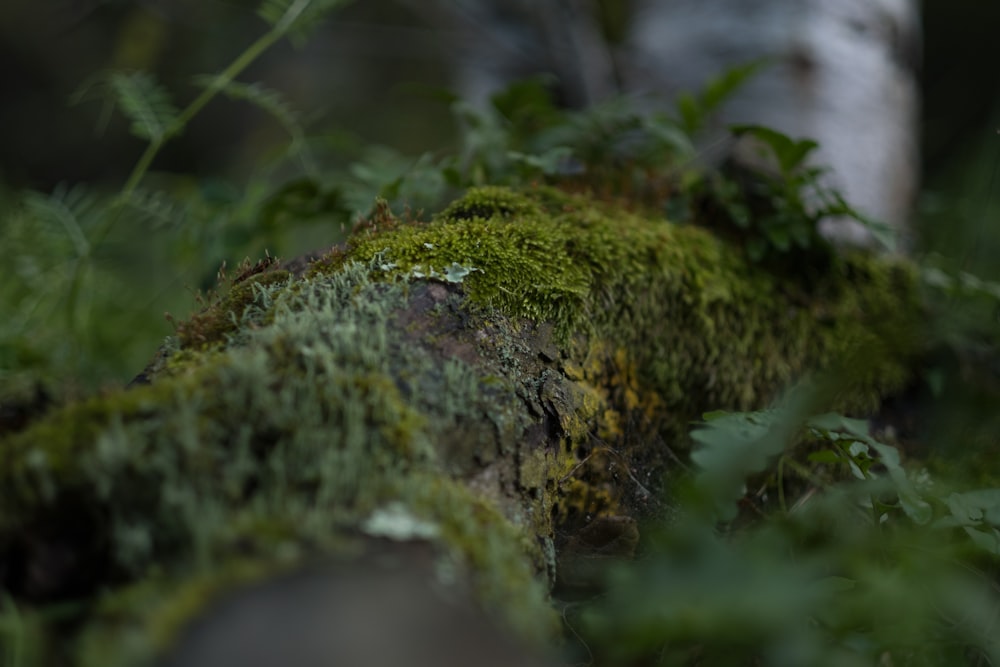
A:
<point x="696" y="314"/>
<point x="668" y="321"/>
<point x="168" y="460"/>
<point x="490" y="202"/>
<point x="302" y="417"/>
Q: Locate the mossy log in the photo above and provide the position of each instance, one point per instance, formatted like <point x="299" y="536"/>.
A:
<point x="487" y="402"/>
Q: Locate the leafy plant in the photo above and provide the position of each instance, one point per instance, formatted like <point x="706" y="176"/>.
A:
<point x="148" y="106"/>
<point x="860" y="570"/>
<point x="618" y="149"/>
<point x="613" y="148"/>
<point x="695" y="109"/>
<point x="74" y="249"/>
<point x="776" y="209"/>
<point x="275" y="105"/>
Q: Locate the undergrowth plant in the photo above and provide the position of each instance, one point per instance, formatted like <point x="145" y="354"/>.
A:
<point x="89" y="269"/>
<point x="776" y="211"/>
<point x="868" y="563"/>
<point x="93" y="272"/>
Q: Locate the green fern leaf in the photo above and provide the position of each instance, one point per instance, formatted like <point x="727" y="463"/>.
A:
<point x="157" y="210"/>
<point x="267" y="100"/>
<point x="296" y="18"/>
<point x="270" y="102"/>
<point x="272" y="10"/>
<point x="67" y="213"/>
<point x="144" y="102"/>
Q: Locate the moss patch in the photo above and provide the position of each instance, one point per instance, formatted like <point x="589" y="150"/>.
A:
<point x="695" y="315"/>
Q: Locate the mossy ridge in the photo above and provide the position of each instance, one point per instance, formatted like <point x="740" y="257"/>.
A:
<point x="666" y="322"/>
<point x="706" y="327"/>
<point x="591" y="268"/>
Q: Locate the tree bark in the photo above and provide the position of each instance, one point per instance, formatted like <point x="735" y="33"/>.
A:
<point x="478" y="408"/>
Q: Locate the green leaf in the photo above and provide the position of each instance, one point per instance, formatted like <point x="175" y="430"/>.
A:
<point x="270" y="101"/>
<point x="988" y="540"/>
<point x="70" y="210"/>
<point x="529" y="98"/>
<point x="789" y="152"/>
<point x="144" y="102"/>
<point x="722" y="87"/>
<point x="552" y="162"/>
<point x="157" y="209"/>
<point x="832" y="422"/>
<point x="918" y="509"/>
<point x="976" y="506"/>
<point x="825" y="456"/>
<point x="732" y="446"/>
<point x="669" y="135"/>
<point x="694" y="112"/>
<point x="858" y="449"/>
<point x="691" y="115"/>
<point x="915" y="507"/>
<point x="296" y="18"/>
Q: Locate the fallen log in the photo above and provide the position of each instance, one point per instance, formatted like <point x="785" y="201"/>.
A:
<point x="479" y="408"/>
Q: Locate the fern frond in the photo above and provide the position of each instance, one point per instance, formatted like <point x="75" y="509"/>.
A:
<point x="70" y="210"/>
<point x="96" y="87"/>
<point x="270" y="102"/>
<point x="156" y="209"/>
<point x="273" y="10"/>
<point x="296" y="18"/>
<point x="266" y="99"/>
<point x="144" y="102"/>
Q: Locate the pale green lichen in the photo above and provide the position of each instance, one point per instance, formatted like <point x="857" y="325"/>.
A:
<point x="300" y="419"/>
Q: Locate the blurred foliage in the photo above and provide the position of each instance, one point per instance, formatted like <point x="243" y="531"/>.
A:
<point x="88" y="330"/>
<point x="350" y="73"/>
<point x="868" y="566"/>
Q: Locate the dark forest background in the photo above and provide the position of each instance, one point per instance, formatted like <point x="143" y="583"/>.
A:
<point x="376" y="75"/>
<point x="366" y="76"/>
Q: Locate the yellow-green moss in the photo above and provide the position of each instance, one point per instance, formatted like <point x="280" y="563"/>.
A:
<point x="490" y="202"/>
<point x="695" y="314"/>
